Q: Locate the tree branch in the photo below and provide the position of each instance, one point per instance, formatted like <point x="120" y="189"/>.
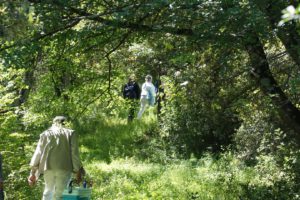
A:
<point x="129" y="25"/>
<point x="40" y="37"/>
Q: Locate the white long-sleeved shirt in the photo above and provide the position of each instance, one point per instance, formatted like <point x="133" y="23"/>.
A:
<point x="57" y="149"/>
<point x="148" y="90"/>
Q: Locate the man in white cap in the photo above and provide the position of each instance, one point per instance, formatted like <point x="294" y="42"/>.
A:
<point x="56" y="156"/>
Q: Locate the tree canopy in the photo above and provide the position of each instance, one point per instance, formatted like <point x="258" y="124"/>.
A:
<point x="227" y="71"/>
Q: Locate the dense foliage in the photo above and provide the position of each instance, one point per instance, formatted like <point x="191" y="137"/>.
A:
<point x="227" y="119"/>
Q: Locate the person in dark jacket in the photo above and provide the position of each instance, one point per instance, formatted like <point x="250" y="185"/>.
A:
<point x="132" y="92"/>
<point x="1" y="180"/>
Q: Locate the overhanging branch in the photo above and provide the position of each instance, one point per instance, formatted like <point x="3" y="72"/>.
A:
<point x="73" y="23"/>
<point x="128" y="25"/>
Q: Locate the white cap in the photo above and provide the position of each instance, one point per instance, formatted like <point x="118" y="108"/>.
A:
<point x="59" y="119"/>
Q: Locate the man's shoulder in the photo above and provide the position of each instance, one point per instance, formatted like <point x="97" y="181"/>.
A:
<point x="51" y="131"/>
<point x="68" y="130"/>
<point x="149" y="84"/>
<point x="46" y="132"/>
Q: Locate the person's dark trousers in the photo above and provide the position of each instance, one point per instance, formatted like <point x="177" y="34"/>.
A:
<point x="132" y="107"/>
<point x="1" y="194"/>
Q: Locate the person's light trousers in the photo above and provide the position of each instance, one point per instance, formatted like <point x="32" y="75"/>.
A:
<point x="144" y="103"/>
<point x="55" y="183"/>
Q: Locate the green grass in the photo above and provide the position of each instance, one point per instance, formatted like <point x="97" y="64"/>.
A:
<point x="125" y="163"/>
<point x="206" y="179"/>
<point x="128" y="161"/>
<point x="111" y="138"/>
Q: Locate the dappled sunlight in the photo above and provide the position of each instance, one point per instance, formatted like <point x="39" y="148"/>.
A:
<point x="224" y="75"/>
<point x="125" y="165"/>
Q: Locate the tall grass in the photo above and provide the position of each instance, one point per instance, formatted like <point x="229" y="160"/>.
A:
<point x="129" y="161"/>
<point x="126" y="161"/>
<point x="206" y="179"/>
<point x="110" y="138"/>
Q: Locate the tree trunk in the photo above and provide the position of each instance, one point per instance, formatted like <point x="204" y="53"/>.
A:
<point x="29" y="81"/>
<point x="288" y="33"/>
<point x="289" y="114"/>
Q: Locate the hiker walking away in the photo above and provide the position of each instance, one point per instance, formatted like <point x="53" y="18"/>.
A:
<point x="131" y="92"/>
<point x="1" y="180"/>
<point x="56" y="156"/>
<point x="147" y="95"/>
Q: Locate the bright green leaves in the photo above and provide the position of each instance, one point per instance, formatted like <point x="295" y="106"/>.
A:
<point x="11" y="83"/>
<point x="290" y="13"/>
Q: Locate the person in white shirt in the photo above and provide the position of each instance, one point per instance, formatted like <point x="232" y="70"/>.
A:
<point x="147" y="95"/>
<point x="56" y="156"/>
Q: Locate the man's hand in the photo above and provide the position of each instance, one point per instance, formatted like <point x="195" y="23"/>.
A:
<point x="31" y="180"/>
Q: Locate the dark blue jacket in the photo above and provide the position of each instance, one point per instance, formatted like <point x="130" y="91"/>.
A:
<point x="131" y="90"/>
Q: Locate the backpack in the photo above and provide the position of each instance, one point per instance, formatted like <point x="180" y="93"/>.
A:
<point x="129" y="91"/>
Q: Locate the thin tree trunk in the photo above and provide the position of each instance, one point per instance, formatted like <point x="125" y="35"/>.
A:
<point x="29" y="81"/>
